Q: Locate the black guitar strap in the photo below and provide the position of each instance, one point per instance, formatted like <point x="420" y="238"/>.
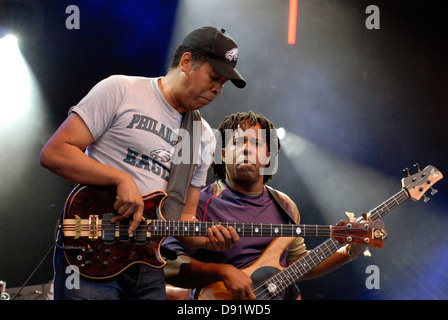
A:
<point x="182" y="167"/>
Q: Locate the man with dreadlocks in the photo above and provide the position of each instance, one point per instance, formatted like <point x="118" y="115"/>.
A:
<point x="240" y="194"/>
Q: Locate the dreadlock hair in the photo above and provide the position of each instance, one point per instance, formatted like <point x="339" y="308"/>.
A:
<point x="232" y="122"/>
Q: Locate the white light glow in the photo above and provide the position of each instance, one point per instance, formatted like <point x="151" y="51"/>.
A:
<point x="15" y="84"/>
<point x="22" y="116"/>
<point x="345" y="184"/>
<point x="281" y="133"/>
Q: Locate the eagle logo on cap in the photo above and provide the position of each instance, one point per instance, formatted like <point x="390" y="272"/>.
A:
<point x="232" y="54"/>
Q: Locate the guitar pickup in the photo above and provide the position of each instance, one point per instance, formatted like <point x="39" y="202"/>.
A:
<point x="123" y="228"/>
<point x="140" y="232"/>
<point x="108" y="232"/>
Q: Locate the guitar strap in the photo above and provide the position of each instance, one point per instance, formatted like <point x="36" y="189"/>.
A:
<point x="182" y="167"/>
<point x="283" y="202"/>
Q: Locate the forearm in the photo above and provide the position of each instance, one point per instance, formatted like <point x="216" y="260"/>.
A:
<point x="336" y="260"/>
<point x="186" y="272"/>
<point x="72" y="164"/>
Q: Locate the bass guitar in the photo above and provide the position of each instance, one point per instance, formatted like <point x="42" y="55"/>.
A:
<point x="101" y="249"/>
<point x="270" y="279"/>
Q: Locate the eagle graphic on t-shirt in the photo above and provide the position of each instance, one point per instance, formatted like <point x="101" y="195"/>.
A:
<point x="160" y="155"/>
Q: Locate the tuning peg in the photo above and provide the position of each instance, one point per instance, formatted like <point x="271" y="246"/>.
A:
<point x="426" y="199"/>
<point x="417" y="167"/>
<point x="366" y="252"/>
<point x="406" y="171"/>
<point x="433" y="191"/>
<point x="366" y="216"/>
<point x="349" y="215"/>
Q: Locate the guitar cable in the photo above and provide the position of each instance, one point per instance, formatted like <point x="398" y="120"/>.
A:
<point x="57" y="229"/>
<point x="56" y="239"/>
<point x="32" y="273"/>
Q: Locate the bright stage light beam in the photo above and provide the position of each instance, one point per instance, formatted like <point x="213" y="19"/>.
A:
<point x="15" y="85"/>
<point x="347" y="185"/>
<point x="281" y="133"/>
<point x="22" y="117"/>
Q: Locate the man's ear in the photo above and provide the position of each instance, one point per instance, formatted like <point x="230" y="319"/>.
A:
<point x="186" y="62"/>
<point x="223" y="155"/>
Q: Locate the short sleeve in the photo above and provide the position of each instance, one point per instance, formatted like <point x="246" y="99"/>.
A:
<point x="98" y="107"/>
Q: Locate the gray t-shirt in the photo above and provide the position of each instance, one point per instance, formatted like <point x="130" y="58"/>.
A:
<point x="135" y="130"/>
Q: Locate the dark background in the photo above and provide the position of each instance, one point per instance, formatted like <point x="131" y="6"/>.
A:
<point x="358" y="106"/>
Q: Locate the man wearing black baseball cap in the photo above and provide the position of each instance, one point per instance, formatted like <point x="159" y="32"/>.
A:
<point x="206" y="52"/>
<point x="127" y="126"/>
<point x="220" y="50"/>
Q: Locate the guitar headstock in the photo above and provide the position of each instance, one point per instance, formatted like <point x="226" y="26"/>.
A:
<point x="417" y="184"/>
<point x="371" y="233"/>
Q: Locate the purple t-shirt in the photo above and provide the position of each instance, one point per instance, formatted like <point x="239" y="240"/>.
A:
<point x="233" y="206"/>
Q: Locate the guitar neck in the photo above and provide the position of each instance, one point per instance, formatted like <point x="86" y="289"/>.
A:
<point x="387" y="206"/>
<point x="162" y="228"/>
<point x="293" y="273"/>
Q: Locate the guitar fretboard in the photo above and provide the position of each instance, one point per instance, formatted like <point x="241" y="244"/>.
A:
<point x="161" y="228"/>
<point x="388" y="205"/>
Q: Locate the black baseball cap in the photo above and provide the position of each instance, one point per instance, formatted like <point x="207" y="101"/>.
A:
<point x="219" y="49"/>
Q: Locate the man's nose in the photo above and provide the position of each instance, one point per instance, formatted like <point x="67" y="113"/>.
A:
<point x="217" y="89"/>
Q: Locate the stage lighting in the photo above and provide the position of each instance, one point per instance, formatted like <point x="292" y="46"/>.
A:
<point x="9" y="40"/>
<point x="15" y="87"/>
<point x="281" y="133"/>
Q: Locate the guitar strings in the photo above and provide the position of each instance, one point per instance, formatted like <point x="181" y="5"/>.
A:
<point x="311" y="260"/>
<point x="248" y="228"/>
<point x="176" y="231"/>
